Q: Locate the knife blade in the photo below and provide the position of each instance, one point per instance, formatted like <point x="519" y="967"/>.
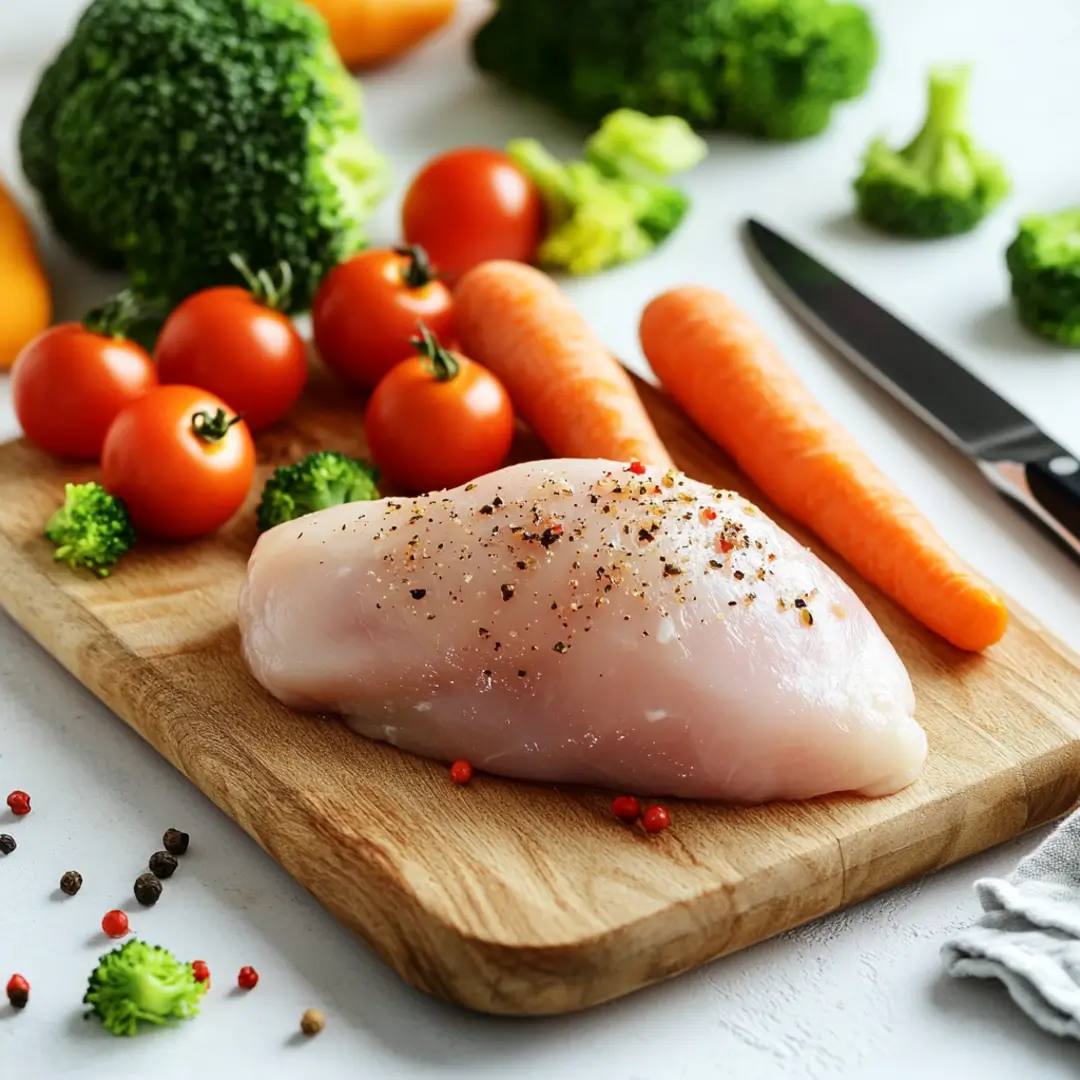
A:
<point x="1024" y="465"/>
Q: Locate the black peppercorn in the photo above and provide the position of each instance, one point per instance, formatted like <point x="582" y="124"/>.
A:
<point x="162" y="864"/>
<point x="7" y="844"/>
<point x="147" y="889"/>
<point x="175" y="842"/>
<point x="71" y="882"/>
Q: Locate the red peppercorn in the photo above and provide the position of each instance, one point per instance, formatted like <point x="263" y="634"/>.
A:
<point x="248" y="978"/>
<point x="656" y="819"/>
<point x="18" y="991"/>
<point x="710" y="513"/>
<point x="115" y="924"/>
<point x="201" y="972"/>
<point x="461" y="772"/>
<point x="19" y="802"/>
<point x="626" y="808"/>
<point x="637" y="468"/>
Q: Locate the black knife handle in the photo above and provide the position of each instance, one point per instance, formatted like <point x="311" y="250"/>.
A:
<point x="1047" y="488"/>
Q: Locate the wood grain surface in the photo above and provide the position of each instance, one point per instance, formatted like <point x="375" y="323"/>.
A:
<point x="506" y="897"/>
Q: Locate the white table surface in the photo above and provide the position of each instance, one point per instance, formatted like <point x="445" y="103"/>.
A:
<point x="858" y="994"/>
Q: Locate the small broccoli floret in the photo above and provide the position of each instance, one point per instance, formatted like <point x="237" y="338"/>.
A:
<point x="91" y="529"/>
<point x="941" y="183"/>
<point x="773" y="68"/>
<point x="139" y="982"/>
<point x="167" y="135"/>
<point x="611" y="209"/>
<point x="316" y="482"/>
<point x="1044" y="265"/>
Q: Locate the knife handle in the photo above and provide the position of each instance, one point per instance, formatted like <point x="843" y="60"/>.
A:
<point x="1048" y="488"/>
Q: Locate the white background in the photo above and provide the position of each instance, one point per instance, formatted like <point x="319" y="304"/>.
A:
<point x="858" y="994"/>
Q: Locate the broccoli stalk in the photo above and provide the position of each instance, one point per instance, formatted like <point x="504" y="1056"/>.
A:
<point x="142" y="983"/>
<point x="1044" y="267"/>
<point x="611" y="208"/>
<point x="941" y="183"/>
<point x="92" y="529"/>
<point x="323" y="479"/>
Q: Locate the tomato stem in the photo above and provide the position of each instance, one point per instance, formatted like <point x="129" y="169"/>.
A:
<point x="272" y="294"/>
<point x="440" y="362"/>
<point x="117" y="315"/>
<point x="418" y="272"/>
<point x="213" y="428"/>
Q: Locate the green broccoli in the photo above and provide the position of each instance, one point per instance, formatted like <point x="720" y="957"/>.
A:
<point x="166" y="136"/>
<point x="140" y="982"/>
<point x="771" y="68"/>
<point x="611" y="208"/>
<point x="323" y="479"/>
<point x="91" y="529"/>
<point x="1044" y="265"/>
<point x="941" y="183"/>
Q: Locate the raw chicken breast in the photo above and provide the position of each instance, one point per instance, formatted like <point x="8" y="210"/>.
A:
<point x="573" y="621"/>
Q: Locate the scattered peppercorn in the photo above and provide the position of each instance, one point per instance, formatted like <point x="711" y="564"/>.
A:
<point x="418" y="594"/>
<point x="7" y="844"/>
<point x="201" y="972"/>
<point x="19" y="803"/>
<point x="18" y="991"/>
<point x="248" y="978"/>
<point x="70" y="882"/>
<point x="656" y="819"/>
<point x="461" y="772"/>
<point x="147" y="889"/>
<point x="175" y="842"/>
<point x="626" y="808"/>
<point x="115" y="924"/>
<point x="162" y="864"/>
<point x="312" y="1022"/>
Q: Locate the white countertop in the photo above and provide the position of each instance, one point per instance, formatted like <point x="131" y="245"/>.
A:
<point x="858" y="994"/>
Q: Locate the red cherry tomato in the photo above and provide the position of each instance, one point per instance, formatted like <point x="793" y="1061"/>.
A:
<point x="180" y="460"/>
<point x="69" y="383"/>
<point x="367" y="309"/>
<point x="471" y="205"/>
<point x="438" y="420"/>
<point x="236" y="344"/>
<point x="115" y="923"/>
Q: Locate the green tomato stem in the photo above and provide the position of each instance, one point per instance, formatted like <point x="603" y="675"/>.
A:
<point x="440" y="362"/>
<point x="272" y="294"/>
<point x="418" y="272"/>
<point x="213" y="428"/>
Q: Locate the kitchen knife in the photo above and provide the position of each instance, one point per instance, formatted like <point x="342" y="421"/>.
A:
<point x="1024" y="464"/>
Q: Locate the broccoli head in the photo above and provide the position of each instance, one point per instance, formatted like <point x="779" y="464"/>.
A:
<point x="92" y="529"/>
<point x="611" y="208"/>
<point x="316" y="482"/>
<point x="167" y="135"/>
<point x="142" y="983"/>
<point x="941" y="183"/>
<point x="1044" y="266"/>
<point x="771" y="68"/>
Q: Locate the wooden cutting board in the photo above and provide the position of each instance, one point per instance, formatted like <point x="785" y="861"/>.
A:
<point x="506" y="897"/>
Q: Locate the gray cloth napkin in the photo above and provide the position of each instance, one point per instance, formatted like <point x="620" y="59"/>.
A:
<point x="1029" y="936"/>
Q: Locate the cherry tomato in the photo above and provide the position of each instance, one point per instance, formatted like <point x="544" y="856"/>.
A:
<point x="366" y="312"/>
<point x="438" y="420"/>
<point x="236" y="344"/>
<point x="69" y="383"/>
<point x="471" y="205"/>
<point x="180" y="460"/>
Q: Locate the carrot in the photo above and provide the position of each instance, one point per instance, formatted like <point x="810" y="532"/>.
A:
<point x="370" y="32"/>
<point x="25" y="299"/>
<point x="730" y="378"/>
<point x="518" y="323"/>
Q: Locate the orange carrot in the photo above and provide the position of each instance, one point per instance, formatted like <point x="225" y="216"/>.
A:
<point x="730" y="378"/>
<point x="518" y="323"/>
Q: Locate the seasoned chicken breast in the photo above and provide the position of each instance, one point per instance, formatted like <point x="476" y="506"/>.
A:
<point x="583" y="621"/>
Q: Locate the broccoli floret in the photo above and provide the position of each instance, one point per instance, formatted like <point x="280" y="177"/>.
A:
<point x="611" y="209"/>
<point x="316" y="482"/>
<point x="167" y="135"/>
<point x="91" y="529"/>
<point x="1044" y="265"/>
<point x="941" y="183"/>
<point x="772" y="68"/>
<point x="139" y="982"/>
